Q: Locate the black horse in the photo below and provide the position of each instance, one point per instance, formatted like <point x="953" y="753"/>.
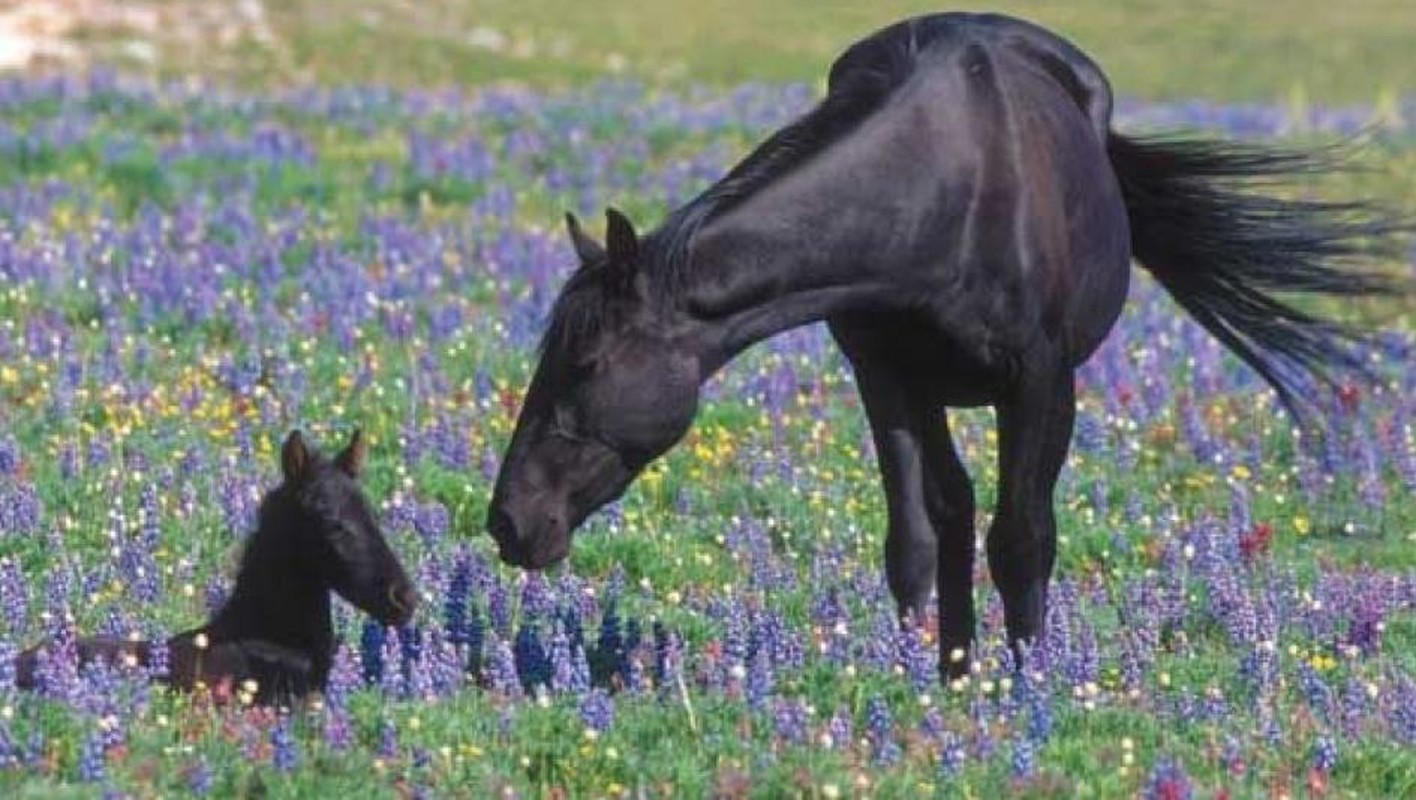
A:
<point x="959" y="212"/>
<point x="316" y="533"/>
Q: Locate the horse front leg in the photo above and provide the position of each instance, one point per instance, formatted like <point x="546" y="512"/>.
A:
<point x="930" y="543"/>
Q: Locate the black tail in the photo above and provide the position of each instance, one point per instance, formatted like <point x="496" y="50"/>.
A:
<point x="1203" y="226"/>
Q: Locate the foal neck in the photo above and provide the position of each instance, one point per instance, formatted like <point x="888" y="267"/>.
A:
<point x="275" y="601"/>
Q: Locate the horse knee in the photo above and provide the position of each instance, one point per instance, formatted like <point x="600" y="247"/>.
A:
<point x="1021" y="550"/>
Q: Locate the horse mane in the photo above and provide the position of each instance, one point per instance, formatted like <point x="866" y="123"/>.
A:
<point x="860" y="82"/>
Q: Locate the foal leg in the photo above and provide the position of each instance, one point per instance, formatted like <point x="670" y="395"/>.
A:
<point x="1034" y="432"/>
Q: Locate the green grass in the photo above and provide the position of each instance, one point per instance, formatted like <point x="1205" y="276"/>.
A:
<point x="1259" y="50"/>
<point x="1315" y="50"/>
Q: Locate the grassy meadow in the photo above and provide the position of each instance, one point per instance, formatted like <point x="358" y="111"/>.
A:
<point x="355" y="222"/>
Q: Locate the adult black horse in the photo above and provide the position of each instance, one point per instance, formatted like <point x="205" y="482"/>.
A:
<point x="960" y="213"/>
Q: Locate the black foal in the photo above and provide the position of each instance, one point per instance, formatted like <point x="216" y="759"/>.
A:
<point x="316" y="534"/>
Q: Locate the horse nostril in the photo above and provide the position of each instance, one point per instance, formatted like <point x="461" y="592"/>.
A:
<point x="403" y="597"/>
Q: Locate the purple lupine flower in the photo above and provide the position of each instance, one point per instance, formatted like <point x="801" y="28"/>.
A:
<point x="499" y="608"/>
<point x="338" y="728"/>
<point x="597" y="710"/>
<point x="491" y="463"/>
<point x="1168" y="781"/>
<point x="431" y="522"/>
<point x="14" y="603"/>
<point x="759" y="679"/>
<point x="1039" y="715"/>
<point x="735" y="645"/>
<point x="931" y="725"/>
<point x="1401" y="710"/>
<point x="9" y="456"/>
<point x="420" y="679"/>
<point x="952" y="755"/>
<point x="1315" y="691"/>
<point x="533" y="663"/>
<point x="839" y="728"/>
<point x="159" y="659"/>
<point x="199" y="777"/>
<point x="1325" y="754"/>
<point x="93" y="759"/>
<point x="344" y="676"/>
<point x="57" y="667"/>
<point x="1024" y="757"/>
<point x="562" y="665"/>
<point x="789" y="719"/>
<point x="918" y="659"/>
<point x="455" y="604"/>
<point x="446" y="666"/>
<point x="1353" y="707"/>
<point x="8" y="653"/>
<point x="880" y="730"/>
<point x="579" y="671"/>
<point x="286" y="755"/>
<point x="388" y="739"/>
<point x="501" y="673"/>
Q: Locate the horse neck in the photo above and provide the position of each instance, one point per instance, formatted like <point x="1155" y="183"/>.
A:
<point x="751" y="274"/>
<point x="271" y="602"/>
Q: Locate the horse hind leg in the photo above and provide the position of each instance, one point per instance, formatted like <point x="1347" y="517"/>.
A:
<point x="1034" y="433"/>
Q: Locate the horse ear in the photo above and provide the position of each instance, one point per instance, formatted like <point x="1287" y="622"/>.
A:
<point x="294" y="458"/>
<point x="588" y="249"/>
<point x="621" y="240"/>
<point x="351" y="459"/>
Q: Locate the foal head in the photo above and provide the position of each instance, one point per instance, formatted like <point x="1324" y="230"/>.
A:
<point x="616" y="387"/>
<point x="317" y="530"/>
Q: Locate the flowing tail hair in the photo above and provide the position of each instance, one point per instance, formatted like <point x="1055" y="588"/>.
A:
<point x="1205" y="225"/>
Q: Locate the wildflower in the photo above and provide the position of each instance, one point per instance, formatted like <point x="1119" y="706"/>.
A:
<point x="1168" y="781"/>
<point x="92" y="767"/>
<point x="284" y="754"/>
<point x="199" y="777"/>
<point x="597" y="711"/>
<point x="879" y="726"/>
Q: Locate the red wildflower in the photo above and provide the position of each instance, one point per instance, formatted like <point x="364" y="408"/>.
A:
<point x="1317" y="782"/>
<point x="1350" y="396"/>
<point x="1256" y="542"/>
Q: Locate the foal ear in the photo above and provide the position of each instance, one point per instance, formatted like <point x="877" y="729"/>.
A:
<point x="586" y="248"/>
<point x="621" y="240"/>
<point x="294" y="457"/>
<point x="351" y="459"/>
